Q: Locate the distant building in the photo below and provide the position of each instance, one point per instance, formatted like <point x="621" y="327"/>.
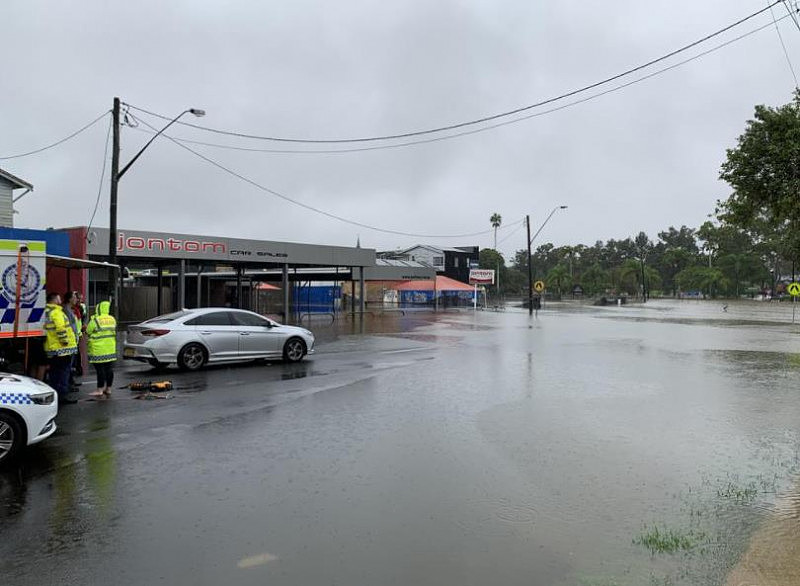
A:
<point x="450" y="262"/>
<point x="8" y="184"/>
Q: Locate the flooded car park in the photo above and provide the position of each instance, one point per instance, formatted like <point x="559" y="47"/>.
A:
<point x="644" y="444"/>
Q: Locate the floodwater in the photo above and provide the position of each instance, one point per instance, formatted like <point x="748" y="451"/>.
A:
<point x="653" y="444"/>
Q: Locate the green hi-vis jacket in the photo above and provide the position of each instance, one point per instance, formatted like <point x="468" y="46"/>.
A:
<point x="102" y="335"/>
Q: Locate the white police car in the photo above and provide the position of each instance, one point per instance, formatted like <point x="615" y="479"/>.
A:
<point x="28" y="409"/>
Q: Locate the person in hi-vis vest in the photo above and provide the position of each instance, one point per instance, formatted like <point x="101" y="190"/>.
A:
<point x="101" y="334"/>
<point x="60" y="346"/>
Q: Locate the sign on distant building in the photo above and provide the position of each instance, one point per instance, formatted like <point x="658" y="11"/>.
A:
<point x="481" y="277"/>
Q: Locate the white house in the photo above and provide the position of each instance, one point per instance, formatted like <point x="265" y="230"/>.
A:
<point x="452" y="262"/>
<point x="8" y="184"/>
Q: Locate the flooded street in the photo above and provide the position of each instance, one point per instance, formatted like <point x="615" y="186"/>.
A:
<point x="635" y="445"/>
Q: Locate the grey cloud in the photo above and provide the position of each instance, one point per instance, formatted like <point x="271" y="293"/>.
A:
<point x="643" y="158"/>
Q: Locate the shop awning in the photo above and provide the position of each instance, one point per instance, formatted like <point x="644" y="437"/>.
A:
<point x="262" y="286"/>
<point x="442" y="284"/>
<point x="66" y="262"/>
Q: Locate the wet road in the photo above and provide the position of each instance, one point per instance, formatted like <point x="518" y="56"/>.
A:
<point x="613" y="446"/>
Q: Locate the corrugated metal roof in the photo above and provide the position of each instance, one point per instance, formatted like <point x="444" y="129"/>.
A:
<point x="390" y="262"/>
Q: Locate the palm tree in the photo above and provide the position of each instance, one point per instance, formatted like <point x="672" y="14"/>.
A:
<point x="496" y="220"/>
<point x="559" y="277"/>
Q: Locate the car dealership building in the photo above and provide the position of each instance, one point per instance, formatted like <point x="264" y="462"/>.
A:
<point x="164" y="271"/>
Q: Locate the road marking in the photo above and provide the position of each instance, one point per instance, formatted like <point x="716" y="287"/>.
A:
<point x="256" y="560"/>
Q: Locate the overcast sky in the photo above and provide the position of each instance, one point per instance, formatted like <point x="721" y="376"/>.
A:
<point x="644" y="158"/>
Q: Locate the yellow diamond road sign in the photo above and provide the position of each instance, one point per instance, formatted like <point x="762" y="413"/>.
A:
<point x="794" y="289"/>
<point x="539" y="286"/>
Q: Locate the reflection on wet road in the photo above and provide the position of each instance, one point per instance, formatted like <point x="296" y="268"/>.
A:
<point x="624" y="446"/>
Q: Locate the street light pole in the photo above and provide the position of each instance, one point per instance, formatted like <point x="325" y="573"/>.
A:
<point x="116" y="175"/>
<point x="530" y="267"/>
<point x="530" y="241"/>
<point x="112" y="230"/>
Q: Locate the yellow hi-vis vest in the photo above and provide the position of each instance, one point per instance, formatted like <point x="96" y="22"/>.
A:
<point x="60" y="340"/>
<point x="102" y="335"/>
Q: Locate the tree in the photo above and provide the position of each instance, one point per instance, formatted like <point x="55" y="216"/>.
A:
<point x="491" y="259"/>
<point x="707" y="280"/>
<point x="683" y="239"/>
<point x="764" y="172"/>
<point x="558" y="277"/>
<point x="496" y="219"/>
<point x="635" y="277"/>
<point x="643" y="248"/>
<point x="673" y="261"/>
<point x="595" y="280"/>
<point x="742" y="267"/>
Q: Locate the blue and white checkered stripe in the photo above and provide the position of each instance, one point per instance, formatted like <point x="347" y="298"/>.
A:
<point x="15" y="399"/>
<point x="28" y="312"/>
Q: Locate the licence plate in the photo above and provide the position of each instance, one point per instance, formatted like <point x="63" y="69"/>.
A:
<point x="129" y="353"/>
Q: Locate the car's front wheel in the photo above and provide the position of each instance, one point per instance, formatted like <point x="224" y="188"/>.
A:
<point x="11" y="438"/>
<point x="294" y="350"/>
<point x="192" y="357"/>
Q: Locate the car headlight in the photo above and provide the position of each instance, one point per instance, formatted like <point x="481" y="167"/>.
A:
<point x="45" y="398"/>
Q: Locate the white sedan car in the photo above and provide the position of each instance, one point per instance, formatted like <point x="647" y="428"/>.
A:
<point x="28" y="410"/>
<point x="192" y="338"/>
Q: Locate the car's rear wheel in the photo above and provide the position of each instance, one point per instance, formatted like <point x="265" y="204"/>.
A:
<point x="294" y="350"/>
<point x="11" y="438"/>
<point x="192" y="357"/>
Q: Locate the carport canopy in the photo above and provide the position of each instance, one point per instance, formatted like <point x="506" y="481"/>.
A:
<point x="66" y="262"/>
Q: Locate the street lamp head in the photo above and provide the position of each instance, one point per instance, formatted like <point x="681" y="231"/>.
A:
<point x="197" y="112"/>
<point x="562" y="207"/>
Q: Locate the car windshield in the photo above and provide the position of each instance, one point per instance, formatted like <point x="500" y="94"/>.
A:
<point x="167" y="317"/>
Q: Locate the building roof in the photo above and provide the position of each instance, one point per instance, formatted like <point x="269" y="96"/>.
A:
<point x="431" y="247"/>
<point x="19" y="183"/>
<point x="392" y="262"/>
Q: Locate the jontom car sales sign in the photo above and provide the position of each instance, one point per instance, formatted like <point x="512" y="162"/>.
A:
<point x="481" y="277"/>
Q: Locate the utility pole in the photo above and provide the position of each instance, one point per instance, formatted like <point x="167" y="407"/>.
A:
<point x="113" y="277"/>
<point x="116" y="175"/>
<point x="530" y="267"/>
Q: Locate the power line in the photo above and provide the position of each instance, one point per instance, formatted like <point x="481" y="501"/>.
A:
<point x="306" y="206"/>
<point x="521" y="223"/>
<point x="58" y="142"/>
<point x="785" y="51"/>
<point x="491" y="126"/>
<point x="484" y="118"/>
<point x="102" y="176"/>
<point x="792" y="14"/>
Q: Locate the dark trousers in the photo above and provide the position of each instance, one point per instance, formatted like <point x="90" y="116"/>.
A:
<point x="105" y="374"/>
<point x="60" y="367"/>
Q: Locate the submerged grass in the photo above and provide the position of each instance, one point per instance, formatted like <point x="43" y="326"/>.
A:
<point x="737" y="493"/>
<point x="664" y="540"/>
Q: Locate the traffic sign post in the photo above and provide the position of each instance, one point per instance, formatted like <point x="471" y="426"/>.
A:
<point x="794" y="291"/>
